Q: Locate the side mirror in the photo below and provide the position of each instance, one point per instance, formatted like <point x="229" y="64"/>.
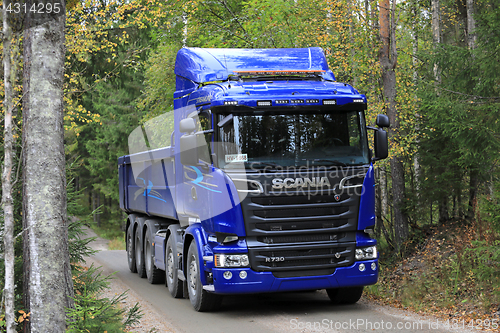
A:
<point x="381" y="144"/>
<point x="189" y="149"/>
<point x="187" y="125"/>
<point x="383" y="121"/>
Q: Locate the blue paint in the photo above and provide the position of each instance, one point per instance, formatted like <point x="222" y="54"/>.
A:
<point x="367" y="203"/>
<point x="199" y="178"/>
<point x="264" y="282"/>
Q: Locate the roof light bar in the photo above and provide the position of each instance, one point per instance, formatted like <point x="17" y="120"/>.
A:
<point x="264" y="103"/>
<point x="312" y="101"/>
<point x="279" y="72"/>
<point x="329" y="102"/>
<point x="281" y="101"/>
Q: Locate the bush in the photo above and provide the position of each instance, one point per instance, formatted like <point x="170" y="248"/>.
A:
<point x="93" y="314"/>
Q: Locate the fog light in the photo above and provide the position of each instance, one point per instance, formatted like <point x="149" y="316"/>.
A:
<point x="362" y="267"/>
<point x="243" y="275"/>
<point x="228" y="275"/>
<point x="374" y="266"/>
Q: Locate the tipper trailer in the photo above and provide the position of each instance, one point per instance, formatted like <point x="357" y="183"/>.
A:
<point x="263" y="182"/>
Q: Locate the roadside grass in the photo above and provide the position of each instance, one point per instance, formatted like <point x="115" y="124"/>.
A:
<point x="454" y="274"/>
<point x="117" y="243"/>
<point x="111" y="232"/>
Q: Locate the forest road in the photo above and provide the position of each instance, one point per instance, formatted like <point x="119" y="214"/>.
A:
<point x="283" y="312"/>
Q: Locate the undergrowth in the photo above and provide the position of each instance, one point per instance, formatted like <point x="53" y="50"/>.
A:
<point x="454" y="271"/>
<point x="93" y="313"/>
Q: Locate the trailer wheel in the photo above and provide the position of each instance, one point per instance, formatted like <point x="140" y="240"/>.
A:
<point x="345" y="295"/>
<point x="139" y="255"/>
<point x="202" y="300"/>
<point x="153" y="274"/>
<point x="172" y="281"/>
<point x="130" y="249"/>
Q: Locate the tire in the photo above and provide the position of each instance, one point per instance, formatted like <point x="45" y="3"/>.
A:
<point x="153" y="274"/>
<point x="202" y="300"/>
<point x="139" y="255"/>
<point x="172" y="281"/>
<point x="345" y="295"/>
<point x="131" y="249"/>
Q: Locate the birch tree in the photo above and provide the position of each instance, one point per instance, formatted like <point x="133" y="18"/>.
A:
<point x="8" y="171"/>
<point x="388" y="61"/>
<point x="48" y="285"/>
<point x="471" y="43"/>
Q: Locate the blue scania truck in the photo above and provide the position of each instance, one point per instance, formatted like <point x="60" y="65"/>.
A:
<point x="262" y="181"/>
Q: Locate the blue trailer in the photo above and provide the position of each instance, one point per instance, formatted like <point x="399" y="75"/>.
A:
<point x="263" y="182"/>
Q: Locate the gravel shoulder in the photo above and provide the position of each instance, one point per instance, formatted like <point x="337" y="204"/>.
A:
<point x="151" y="321"/>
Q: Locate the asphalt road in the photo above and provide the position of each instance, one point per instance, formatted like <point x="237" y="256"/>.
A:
<point x="284" y="312"/>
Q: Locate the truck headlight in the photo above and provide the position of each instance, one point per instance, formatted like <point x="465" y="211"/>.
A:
<point x="366" y="253"/>
<point x="232" y="260"/>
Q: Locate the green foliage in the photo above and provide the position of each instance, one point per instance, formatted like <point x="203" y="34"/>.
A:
<point x="450" y="270"/>
<point x="91" y="313"/>
<point x="77" y="242"/>
<point x="159" y="82"/>
<point x="113" y="100"/>
<point x="108" y="232"/>
<point x="94" y="314"/>
<point x="460" y="132"/>
<point x="78" y="245"/>
<point x="487" y="259"/>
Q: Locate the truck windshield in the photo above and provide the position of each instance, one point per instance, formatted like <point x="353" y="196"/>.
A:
<point x="282" y="140"/>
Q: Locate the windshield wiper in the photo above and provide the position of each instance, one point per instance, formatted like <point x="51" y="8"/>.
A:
<point x="225" y="120"/>
<point x="332" y="162"/>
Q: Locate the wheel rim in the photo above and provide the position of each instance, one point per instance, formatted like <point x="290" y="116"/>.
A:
<point x="170" y="266"/>
<point x="193" y="273"/>
<point x="148" y="256"/>
<point x="129" y="247"/>
<point x="138" y="253"/>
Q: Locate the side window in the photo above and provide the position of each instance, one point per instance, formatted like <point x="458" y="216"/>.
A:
<point x="204" y="123"/>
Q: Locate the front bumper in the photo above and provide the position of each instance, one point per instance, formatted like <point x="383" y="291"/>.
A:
<point x="265" y="282"/>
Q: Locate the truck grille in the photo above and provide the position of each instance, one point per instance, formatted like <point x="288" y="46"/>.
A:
<point x="282" y="259"/>
<point x="301" y="232"/>
<point x="286" y="214"/>
<point x="300" y="238"/>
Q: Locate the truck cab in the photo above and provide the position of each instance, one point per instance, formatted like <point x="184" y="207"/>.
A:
<point x="267" y="183"/>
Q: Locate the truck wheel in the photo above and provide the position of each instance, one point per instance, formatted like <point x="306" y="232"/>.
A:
<point x="345" y="295"/>
<point x="130" y="249"/>
<point x="201" y="299"/>
<point x="139" y="255"/>
<point x="153" y="274"/>
<point x="173" y="283"/>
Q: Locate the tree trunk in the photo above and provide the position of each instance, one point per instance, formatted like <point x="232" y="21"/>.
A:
<point x="459" y="203"/>
<point x="94" y="206"/>
<point x="474" y="182"/>
<point x="378" y="204"/>
<point x="388" y="62"/>
<point x="8" y="171"/>
<point x="96" y="203"/>
<point x="48" y="282"/>
<point x="471" y="25"/>
<point x="383" y="193"/>
<point x="471" y="42"/>
<point x="436" y="35"/>
<point x="416" y="161"/>
<point x="443" y="210"/>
